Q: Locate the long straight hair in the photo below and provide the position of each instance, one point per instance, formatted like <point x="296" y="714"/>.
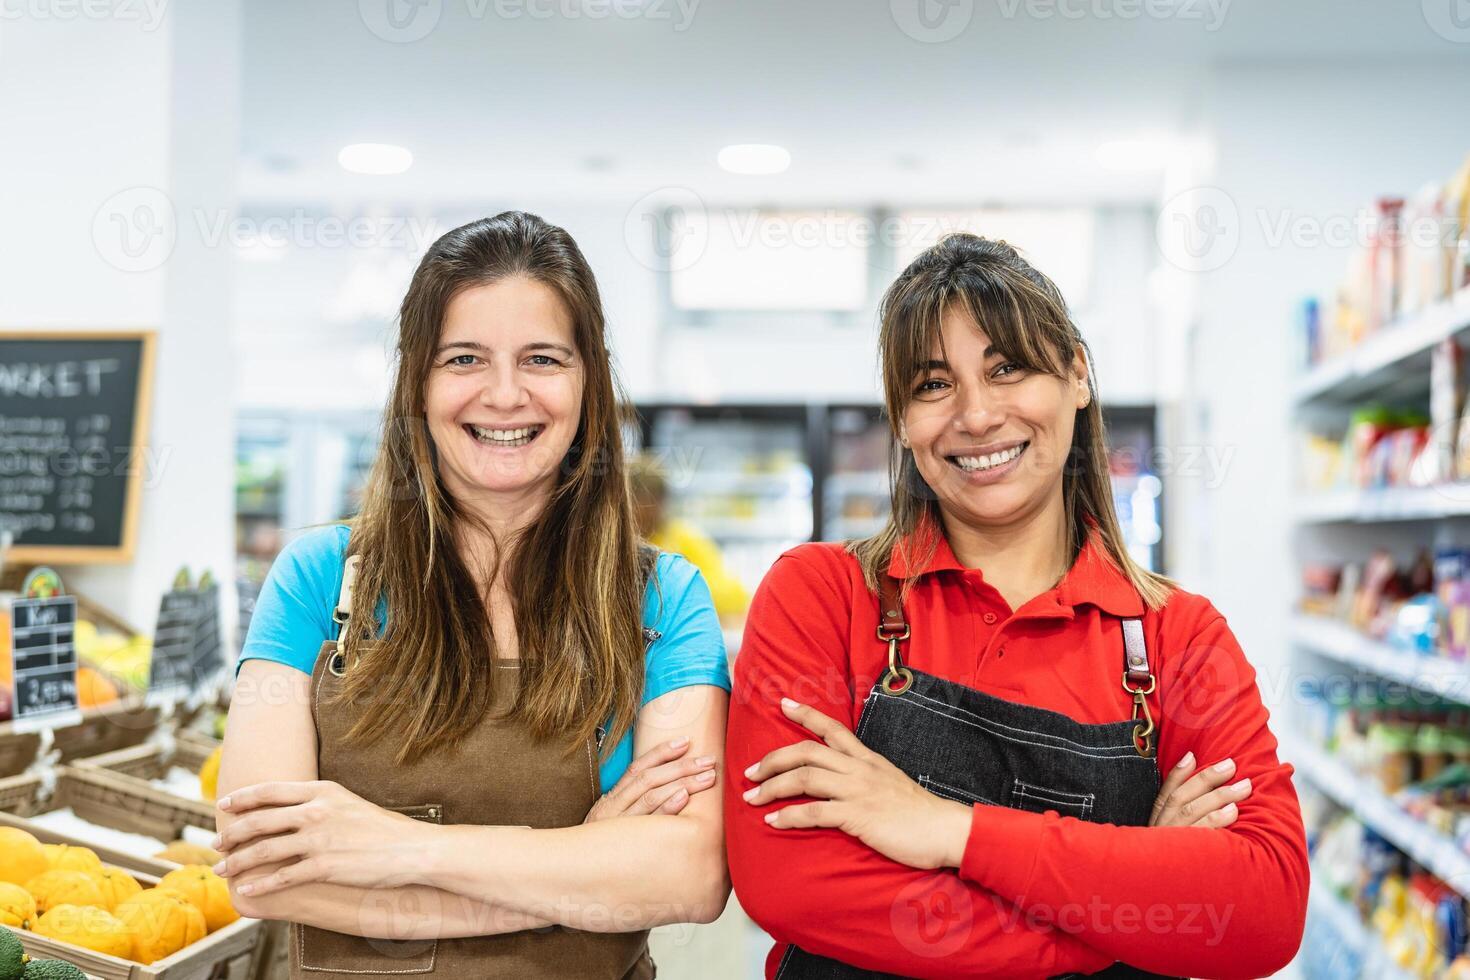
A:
<point x="575" y="575"/>
<point x="1026" y="319"/>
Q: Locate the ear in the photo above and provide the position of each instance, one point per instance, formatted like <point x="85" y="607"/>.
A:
<point x="903" y="435"/>
<point x="1081" y="378"/>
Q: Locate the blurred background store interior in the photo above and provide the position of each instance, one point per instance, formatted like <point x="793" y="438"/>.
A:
<point x="1256" y="210"/>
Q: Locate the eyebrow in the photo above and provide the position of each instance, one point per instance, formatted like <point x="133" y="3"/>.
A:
<point x="472" y="345"/>
<point x="943" y="365"/>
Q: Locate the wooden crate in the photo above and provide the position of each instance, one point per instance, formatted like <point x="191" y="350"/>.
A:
<point x="128" y="774"/>
<point x="17" y="749"/>
<point x="113" y="726"/>
<point x="226" y="954"/>
<point x="20" y="795"/>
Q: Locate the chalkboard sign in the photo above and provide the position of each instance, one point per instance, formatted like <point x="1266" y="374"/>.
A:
<point x="186" y="641"/>
<point x="73" y="417"/>
<point x="44" y="656"/>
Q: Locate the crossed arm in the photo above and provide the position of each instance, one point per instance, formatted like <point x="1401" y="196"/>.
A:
<point x="652" y="851"/>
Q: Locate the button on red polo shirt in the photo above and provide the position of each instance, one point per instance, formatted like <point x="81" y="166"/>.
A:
<point x="1037" y="894"/>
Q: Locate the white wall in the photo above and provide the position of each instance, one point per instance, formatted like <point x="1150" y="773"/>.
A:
<point x="124" y="117"/>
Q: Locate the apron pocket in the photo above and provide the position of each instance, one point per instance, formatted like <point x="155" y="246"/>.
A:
<point x="951" y="792"/>
<point x="338" y="953"/>
<point x="1039" y="799"/>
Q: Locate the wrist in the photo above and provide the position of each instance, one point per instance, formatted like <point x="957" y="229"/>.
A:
<point x="466" y="859"/>
<point x="955" y="832"/>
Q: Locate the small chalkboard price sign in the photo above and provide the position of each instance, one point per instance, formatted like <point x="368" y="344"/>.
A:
<point x="186" y="641"/>
<point x="44" y="657"/>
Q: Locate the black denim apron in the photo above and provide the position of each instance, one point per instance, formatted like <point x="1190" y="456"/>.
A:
<point x="966" y="745"/>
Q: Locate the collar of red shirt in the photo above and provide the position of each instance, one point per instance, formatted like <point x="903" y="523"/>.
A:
<point x="1093" y="578"/>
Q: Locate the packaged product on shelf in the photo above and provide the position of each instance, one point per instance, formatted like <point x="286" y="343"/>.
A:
<point x="1457" y="209"/>
<point x="1384" y="257"/>
<point x="1424" y="257"/>
<point x="1378" y="581"/>
<point x="1436" y="462"/>
<point x="1456" y="636"/>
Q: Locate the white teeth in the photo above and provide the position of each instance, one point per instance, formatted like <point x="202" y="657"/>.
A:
<point x="971" y="463"/>
<point x="506" y="437"/>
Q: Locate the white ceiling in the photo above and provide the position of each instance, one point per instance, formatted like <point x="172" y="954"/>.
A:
<point x="499" y="101"/>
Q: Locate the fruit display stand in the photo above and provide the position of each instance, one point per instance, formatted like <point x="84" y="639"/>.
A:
<point x="228" y="953"/>
<point x="117" y="789"/>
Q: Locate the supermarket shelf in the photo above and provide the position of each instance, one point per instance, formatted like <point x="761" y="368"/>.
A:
<point x="1438" y="675"/>
<point x="1433" y="850"/>
<point x="1385" y="355"/>
<point x="1385" y="505"/>
<point x="1360" y="945"/>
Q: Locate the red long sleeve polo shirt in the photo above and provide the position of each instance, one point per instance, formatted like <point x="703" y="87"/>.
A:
<point x="1037" y="894"/>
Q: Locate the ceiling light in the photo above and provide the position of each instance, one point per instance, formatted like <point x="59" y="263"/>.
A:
<point x="374" y="158"/>
<point x="754" y="158"/>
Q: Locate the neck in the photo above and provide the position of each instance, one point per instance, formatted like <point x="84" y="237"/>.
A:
<point x="1021" y="559"/>
<point x="499" y="520"/>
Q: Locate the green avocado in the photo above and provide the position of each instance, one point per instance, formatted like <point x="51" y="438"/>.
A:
<point x="13" y="956"/>
<point x="52" y="970"/>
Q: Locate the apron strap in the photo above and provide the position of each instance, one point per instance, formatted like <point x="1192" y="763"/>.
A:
<point x="1138" y="681"/>
<point x="1135" y="660"/>
<point x="893" y="629"/>
<point x="344" y="595"/>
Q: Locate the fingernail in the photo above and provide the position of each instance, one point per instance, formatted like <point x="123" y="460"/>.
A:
<point x="1244" y="785"/>
<point x="1225" y="765"/>
<point x="708" y="776"/>
<point x="788" y="704"/>
<point x="216" y="843"/>
<point x="704" y="760"/>
<point x="679" y="794"/>
<point x="771" y="817"/>
<point x="245" y="889"/>
<point x="224" y="803"/>
<point x="1228" y="809"/>
<point x="679" y="742"/>
<point x="219" y="869"/>
<point x="750" y="793"/>
<point x="750" y="773"/>
<point x="1185" y="762"/>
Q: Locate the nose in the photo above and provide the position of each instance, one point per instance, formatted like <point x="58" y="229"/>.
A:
<point x="977" y="410"/>
<point x="503" y="391"/>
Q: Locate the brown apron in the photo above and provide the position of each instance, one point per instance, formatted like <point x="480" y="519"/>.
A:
<point x="498" y="775"/>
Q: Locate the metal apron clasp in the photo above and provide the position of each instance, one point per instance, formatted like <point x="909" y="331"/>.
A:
<point x="896" y="669"/>
<point x="1143" y="734"/>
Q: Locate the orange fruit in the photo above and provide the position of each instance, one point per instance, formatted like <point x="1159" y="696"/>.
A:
<point x="117" y="886"/>
<point x="21" y="856"/>
<point x="64" y="887"/>
<point x="93" y="690"/>
<point x="208" y="891"/>
<point x="17" y="907"/>
<point x="91" y="928"/>
<point x="161" y="922"/>
<point x="72" y="857"/>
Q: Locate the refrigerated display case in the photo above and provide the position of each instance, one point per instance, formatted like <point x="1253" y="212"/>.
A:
<point x="742" y="474"/>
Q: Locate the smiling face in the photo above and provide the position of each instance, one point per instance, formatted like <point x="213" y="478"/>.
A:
<point x="503" y="398"/>
<point x="989" y="436"/>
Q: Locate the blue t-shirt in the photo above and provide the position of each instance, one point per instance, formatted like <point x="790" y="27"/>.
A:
<point x="293" y="617"/>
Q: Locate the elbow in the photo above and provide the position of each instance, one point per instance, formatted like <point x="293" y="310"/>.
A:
<point x="709" y="904"/>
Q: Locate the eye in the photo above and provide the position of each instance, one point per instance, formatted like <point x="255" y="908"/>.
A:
<point x="542" y="360"/>
<point x="1010" y="369"/>
<point x="461" y="360"/>
<point x="931" y="385"/>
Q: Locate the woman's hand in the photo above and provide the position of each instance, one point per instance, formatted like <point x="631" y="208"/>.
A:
<point x="658" y="781"/>
<point x="858" y="792"/>
<point x="326" y="832"/>
<point x="1201" y="799"/>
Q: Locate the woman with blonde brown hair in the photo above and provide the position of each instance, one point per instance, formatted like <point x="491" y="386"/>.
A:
<point x="986" y="742"/>
<point x="430" y="762"/>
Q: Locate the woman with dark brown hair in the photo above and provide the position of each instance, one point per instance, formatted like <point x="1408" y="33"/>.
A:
<point x="986" y="742"/>
<point x="429" y="765"/>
